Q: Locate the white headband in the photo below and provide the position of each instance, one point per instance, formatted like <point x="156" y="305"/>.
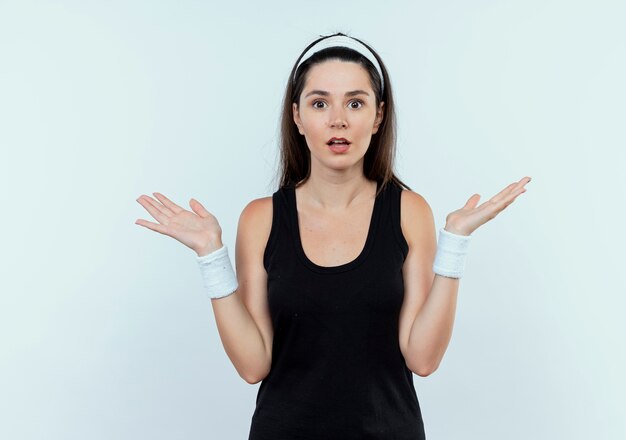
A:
<point x="343" y="41"/>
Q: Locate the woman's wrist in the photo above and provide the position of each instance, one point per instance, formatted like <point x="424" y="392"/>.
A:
<point x="453" y="230"/>
<point x="218" y="276"/>
<point x="212" y="245"/>
<point x="452" y="248"/>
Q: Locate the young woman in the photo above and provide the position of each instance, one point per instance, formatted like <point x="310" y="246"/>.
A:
<point x="342" y="291"/>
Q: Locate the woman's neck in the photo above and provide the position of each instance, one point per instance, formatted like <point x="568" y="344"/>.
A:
<point x="336" y="193"/>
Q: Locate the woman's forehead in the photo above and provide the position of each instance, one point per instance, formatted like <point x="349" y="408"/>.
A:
<point x="337" y="77"/>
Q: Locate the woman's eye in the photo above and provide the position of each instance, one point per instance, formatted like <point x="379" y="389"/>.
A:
<point x="357" y="101"/>
<point x="351" y="102"/>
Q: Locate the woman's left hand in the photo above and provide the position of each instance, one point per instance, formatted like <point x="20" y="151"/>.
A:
<point x="466" y="220"/>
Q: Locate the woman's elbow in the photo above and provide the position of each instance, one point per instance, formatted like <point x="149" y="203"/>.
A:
<point x="422" y="370"/>
<point x="257" y="377"/>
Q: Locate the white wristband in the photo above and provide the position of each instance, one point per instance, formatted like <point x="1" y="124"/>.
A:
<point x="217" y="273"/>
<point x="451" y="254"/>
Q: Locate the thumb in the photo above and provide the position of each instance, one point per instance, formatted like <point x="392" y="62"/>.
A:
<point x="472" y="201"/>
<point x="198" y="208"/>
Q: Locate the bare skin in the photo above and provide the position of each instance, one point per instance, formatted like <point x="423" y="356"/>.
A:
<point x="336" y="193"/>
<point x="198" y="230"/>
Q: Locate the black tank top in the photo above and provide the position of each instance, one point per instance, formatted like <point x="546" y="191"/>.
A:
<point x="337" y="371"/>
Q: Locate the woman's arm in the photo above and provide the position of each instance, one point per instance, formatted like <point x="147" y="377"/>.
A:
<point x="242" y="316"/>
<point x="432" y="328"/>
<point x="429" y="306"/>
<point x="428" y="312"/>
<point x="243" y="319"/>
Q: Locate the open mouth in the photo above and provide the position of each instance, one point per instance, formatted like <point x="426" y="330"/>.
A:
<point x="338" y="141"/>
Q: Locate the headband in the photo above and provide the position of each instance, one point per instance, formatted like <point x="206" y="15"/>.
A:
<point x="343" y="41"/>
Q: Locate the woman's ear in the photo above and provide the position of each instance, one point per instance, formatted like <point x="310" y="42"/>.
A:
<point x="296" y="116"/>
<point x="379" y="117"/>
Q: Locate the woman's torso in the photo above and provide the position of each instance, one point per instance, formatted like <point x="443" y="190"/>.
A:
<point x="337" y="370"/>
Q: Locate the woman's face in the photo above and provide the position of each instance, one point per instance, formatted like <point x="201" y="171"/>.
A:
<point x="337" y="101"/>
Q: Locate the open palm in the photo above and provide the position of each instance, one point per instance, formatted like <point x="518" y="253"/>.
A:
<point x="193" y="229"/>
<point x="467" y="219"/>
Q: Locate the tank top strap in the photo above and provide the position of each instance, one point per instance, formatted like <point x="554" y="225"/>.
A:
<point x="280" y="223"/>
<point x="395" y="198"/>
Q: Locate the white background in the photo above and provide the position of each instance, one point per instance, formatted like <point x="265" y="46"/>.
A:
<point x="105" y="332"/>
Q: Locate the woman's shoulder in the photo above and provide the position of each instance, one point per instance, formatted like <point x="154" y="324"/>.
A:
<point x="258" y="210"/>
<point x="411" y="199"/>
<point x="255" y="222"/>
<point x="416" y="215"/>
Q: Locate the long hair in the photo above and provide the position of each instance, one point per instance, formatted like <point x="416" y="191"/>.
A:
<point x="295" y="157"/>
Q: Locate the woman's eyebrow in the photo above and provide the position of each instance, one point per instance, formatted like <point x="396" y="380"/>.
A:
<point x="325" y="93"/>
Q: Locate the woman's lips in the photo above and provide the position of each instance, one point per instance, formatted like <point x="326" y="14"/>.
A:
<point x="339" y="148"/>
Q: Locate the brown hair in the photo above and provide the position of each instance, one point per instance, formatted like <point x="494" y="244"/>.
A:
<point x="295" y="160"/>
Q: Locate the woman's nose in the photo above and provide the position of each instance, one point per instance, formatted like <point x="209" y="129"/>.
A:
<point x="338" y="119"/>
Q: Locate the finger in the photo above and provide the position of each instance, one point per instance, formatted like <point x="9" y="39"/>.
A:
<point x="164" y="209"/>
<point x="155" y="211"/>
<point x="513" y="188"/>
<point x="519" y="189"/>
<point x="506" y="202"/>
<point x="503" y="193"/>
<point x="498" y="205"/>
<point x="521" y="183"/>
<point x="198" y="208"/>
<point x="154" y="226"/>
<point x="516" y="194"/>
<point x="168" y="203"/>
<point x="472" y="201"/>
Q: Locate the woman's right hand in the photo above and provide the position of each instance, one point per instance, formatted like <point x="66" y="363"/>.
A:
<point x="199" y="230"/>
